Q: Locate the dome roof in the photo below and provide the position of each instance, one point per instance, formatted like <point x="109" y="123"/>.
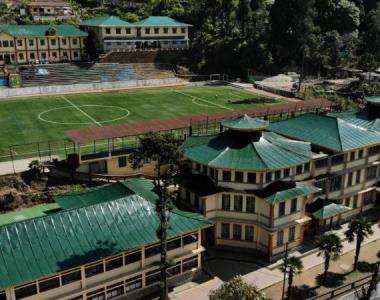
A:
<point x="245" y="123"/>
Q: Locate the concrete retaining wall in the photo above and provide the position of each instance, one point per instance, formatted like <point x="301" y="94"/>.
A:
<point x="98" y="86"/>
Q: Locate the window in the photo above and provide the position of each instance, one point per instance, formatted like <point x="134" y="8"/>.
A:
<point x="43" y="55"/>
<point x="21" y="56"/>
<point x="1" y="57"/>
<point x="147" y="30"/>
<point x="122" y="161"/>
<point x="133" y="284"/>
<point x="307" y="167"/>
<point x="352" y="156"/>
<point x="174" y="30"/>
<point x="337" y="159"/>
<point x="190" y="239"/>
<point x="42" y="42"/>
<point x="321" y="163"/>
<point x="189" y="263"/>
<point x="65" y="54"/>
<point x="299" y="170"/>
<point x="54" y="54"/>
<point x="49" y="284"/>
<point x="355" y="203"/>
<point x="128" y="30"/>
<point x="251" y="177"/>
<point x="3" y="296"/>
<point x="239" y="176"/>
<point x="335" y="183"/>
<point x="114" y="263"/>
<point x="280" y="238"/>
<point x="286" y="173"/>
<point x="281" y="209"/>
<point x="292" y="234"/>
<point x="183" y="30"/>
<point x="156" y="30"/>
<point x="26" y="291"/>
<point x="349" y="179"/>
<point x="172" y="271"/>
<point x="268" y="177"/>
<point x="198" y="167"/>
<point x="347" y="202"/>
<point x="75" y="54"/>
<point x="19" y="43"/>
<point x="226" y="198"/>
<point x="5" y="44"/>
<point x="96" y="295"/>
<point x="115" y="290"/>
<point x="367" y="198"/>
<point x="173" y="244"/>
<point x="374" y="150"/>
<point x="166" y="30"/>
<point x="108" y="30"/>
<point x="358" y="174"/>
<point x="293" y="207"/>
<point x="277" y="175"/>
<point x="250" y="204"/>
<point x="249" y="233"/>
<point x="226" y="176"/>
<point x="32" y="55"/>
<point x="94" y="270"/>
<point x="371" y="173"/>
<point x="152" y="277"/>
<point x="238" y="203"/>
<point x="152" y="251"/>
<point x="237" y="232"/>
<point x="11" y="43"/>
<point x="70" y="277"/>
<point x="225" y="231"/>
<point x="77" y="298"/>
<point x="132" y="257"/>
<point x="53" y="42"/>
<point x="361" y="153"/>
<point x="212" y="172"/>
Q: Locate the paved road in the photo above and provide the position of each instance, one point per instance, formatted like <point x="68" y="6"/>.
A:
<point x="353" y="295"/>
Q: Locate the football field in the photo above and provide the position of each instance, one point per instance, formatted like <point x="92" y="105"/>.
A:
<point x="46" y="118"/>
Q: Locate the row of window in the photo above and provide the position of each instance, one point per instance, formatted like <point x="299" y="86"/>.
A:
<point x="53" y="42"/>
<point x="291" y="236"/>
<point x="148" y="30"/>
<point x="44" y="55"/>
<point x="250" y="203"/>
<point x="118" y="261"/>
<point x="120" y="43"/>
<point x="249" y="232"/>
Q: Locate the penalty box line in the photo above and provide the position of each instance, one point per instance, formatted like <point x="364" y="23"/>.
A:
<point x="215" y="104"/>
<point x="83" y="112"/>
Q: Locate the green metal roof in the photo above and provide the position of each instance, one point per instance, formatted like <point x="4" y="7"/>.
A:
<point x="359" y="118"/>
<point x="246" y="150"/>
<point x="245" y="123"/>
<point x="373" y="100"/>
<point x="41" y="30"/>
<point x="143" y="187"/>
<point x="27" y="213"/>
<point x="330" y="210"/>
<point x="326" y="131"/>
<point x="105" y="21"/>
<point x="160" y="21"/>
<point x="301" y="189"/>
<point x="42" y="246"/>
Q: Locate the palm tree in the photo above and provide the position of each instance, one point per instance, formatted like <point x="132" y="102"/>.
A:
<point x="361" y="228"/>
<point x="294" y="266"/>
<point x="330" y="247"/>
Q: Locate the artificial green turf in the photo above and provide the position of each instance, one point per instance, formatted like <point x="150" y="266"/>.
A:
<point x="19" y="122"/>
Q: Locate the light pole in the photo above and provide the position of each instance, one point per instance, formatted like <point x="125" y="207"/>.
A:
<point x="285" y="270"/>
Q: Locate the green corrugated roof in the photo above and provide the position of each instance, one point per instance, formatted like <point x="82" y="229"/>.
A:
<point x="160" y="21"/>
<point x="365" y="118"/>
<point x="143" y="187"/>
<point x="40" y="30"/>
<point x="246" y="150"/>
<point x="42" y="246"/>
<point x="327" y="131"/>
<point x="330" y="210"/>
<point x="245" y="123"/>
<point x="27" y="213"/>
<point x="373" y="99"/>
<point x="105" y="21"/>
<point x="301" y="189"/>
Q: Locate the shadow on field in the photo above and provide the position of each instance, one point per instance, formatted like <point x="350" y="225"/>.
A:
<point x="332" y="280"/>
<point x="261" y="100"/>
<point x="303" y="292"/>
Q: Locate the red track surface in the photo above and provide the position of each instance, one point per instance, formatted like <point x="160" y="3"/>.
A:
<point x="138" y="128"/>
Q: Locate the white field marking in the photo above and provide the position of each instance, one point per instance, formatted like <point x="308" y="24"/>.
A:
<point x="11" y="150"/>
<point x="195" y="101"/>
<point x="193" y="97"/>
<point x="40" y="115"/>
<point x="86" y="114"/>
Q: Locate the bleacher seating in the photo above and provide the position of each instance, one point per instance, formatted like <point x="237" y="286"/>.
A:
<point x="67" y="74"/>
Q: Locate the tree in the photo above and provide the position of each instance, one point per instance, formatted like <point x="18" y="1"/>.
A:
<point x="161" y="150"/>
<point x="359" y="228"/>
<point x="330" y="247"/>
<point x="294" y="266"/>
<point x="237" y="289"/>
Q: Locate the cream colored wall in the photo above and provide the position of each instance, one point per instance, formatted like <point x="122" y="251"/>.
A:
<point x="6" y="37"/>
<point x="147" y="169"/>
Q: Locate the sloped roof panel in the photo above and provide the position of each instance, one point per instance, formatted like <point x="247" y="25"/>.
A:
<point x="330" y="210"/>
<point x="41" y="30"/>
<point x="298" y="191"/>
<point x="245" y="123"/>
<point x="160" y="21"/>
<point x="105" y="21"/>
